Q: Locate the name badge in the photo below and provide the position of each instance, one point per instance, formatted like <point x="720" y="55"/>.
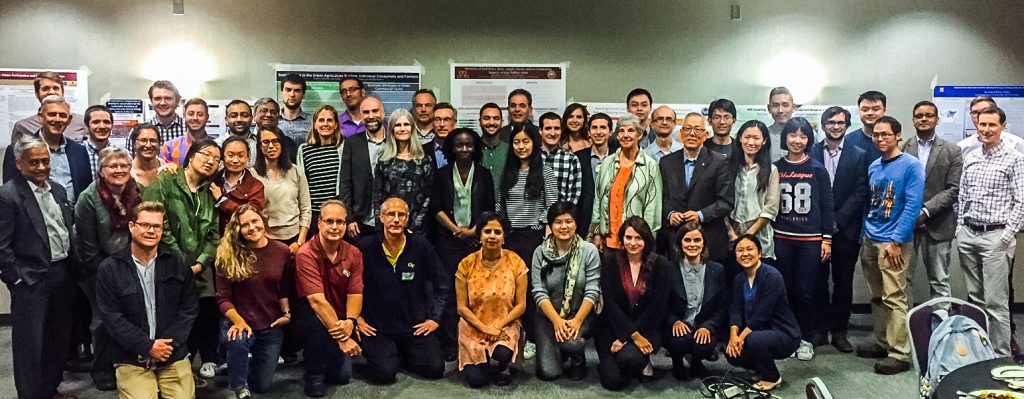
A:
<point x="408" y="276"/>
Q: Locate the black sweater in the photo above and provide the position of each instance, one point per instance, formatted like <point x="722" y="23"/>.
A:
<point x="396" y="299"/>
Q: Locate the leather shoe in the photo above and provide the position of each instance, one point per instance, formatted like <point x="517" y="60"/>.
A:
<point x="819" y="339"/>
<point x="315" y="386"/>
<point x="105" y="385"/>
<point x="577" y="370"/>
<point x="871" y="351"/>
<point x="503" y="378"/>
<point x="891" y="365"/>
<point x="841" y="342"/>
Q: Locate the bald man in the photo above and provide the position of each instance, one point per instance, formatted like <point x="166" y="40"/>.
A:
<point x="358" y="160"/>
<point x="663" y="122"/>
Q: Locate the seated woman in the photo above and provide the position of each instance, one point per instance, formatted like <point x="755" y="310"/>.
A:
<point x="635" y="286"/>
<point x="253" y="282"/>
<point x="762" y="327"/>
<point x="698" y="306"/>
<point x="490" y="287"/>
<point x="565" y="280"/>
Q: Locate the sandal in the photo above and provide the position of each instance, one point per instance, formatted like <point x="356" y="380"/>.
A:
<point x="766" y="386"/>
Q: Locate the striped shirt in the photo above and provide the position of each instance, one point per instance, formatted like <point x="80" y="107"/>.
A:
<point x="322" y="165"/>
<point x="525" y="212"/>
<point x="992" y="189"/>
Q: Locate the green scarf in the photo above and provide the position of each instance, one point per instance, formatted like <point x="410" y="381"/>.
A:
<point x="572" y="261"/>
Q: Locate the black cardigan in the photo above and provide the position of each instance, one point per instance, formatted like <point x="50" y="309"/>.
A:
<point x="443" y="195"/>
<point x="647" y="316"/>
<point x="714" y="308"/>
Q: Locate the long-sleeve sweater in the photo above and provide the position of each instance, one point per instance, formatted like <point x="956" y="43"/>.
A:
<point x="897" y="194"/>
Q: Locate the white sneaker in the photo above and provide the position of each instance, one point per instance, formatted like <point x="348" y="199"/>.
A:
<point x="208" y="370"/>
<point x="529" y="350"/>
<point x="806" y="351"/>
<point x="648" y="371"/>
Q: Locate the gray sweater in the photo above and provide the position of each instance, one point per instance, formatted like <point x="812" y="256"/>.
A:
<point x="549" y="283"/>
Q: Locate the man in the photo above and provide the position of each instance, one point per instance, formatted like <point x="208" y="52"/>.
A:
<point x="872" y="108"/>
<point x="565" y="165"/>
<point x="722" y="113"/>
<point x="600" y="127"/>
<point x="896" y="182"/>
<point x="329" y="273"/>
<point x="781" y="106"/>
<point x="35" y="242"/>
<point x="352" y="94"/>
<point x="99" y="120"/>
<point x="164" y="98"/>
<point x="495" y="150"/>
<point x="520" y="113"/>
<point x="697" y="187"/>
<point x="847" y="171"/>
<point x="423" y="102"/>
<point x="445" y="119"/>
<point x="69" y="161"/>
<point x="48" y="84"/>
<point x="294" y="122"/>
<point x="663" y="123"/>
<point x="147" y="300"/>
<point x="238" y="119"/>
<point x="266" y="116"/>
<point x="406" y="288"/>
<point x="639" y="102"/>
<point x="197" y="113"/>
<point x="358" y="163"/>
<point x="973" y="142"/>
<point x="936" y="224"/>
<point x="989" y="214"/>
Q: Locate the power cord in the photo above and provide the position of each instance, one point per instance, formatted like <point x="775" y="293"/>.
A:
<point x="731" y="387"/>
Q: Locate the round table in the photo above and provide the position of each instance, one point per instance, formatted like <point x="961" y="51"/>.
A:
<point x="972" y="377"/>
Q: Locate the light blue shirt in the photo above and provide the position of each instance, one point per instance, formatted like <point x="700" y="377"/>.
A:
<point x="924" y="148"/>
<point x="688" y="165"/>
<point x="439" y="155"/>
<point x="656" y="153"/>
<point x="60" y="169"/>
<point x="147" y="280"/>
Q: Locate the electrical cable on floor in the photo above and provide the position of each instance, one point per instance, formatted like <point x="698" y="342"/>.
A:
<point x="730" y="387"/>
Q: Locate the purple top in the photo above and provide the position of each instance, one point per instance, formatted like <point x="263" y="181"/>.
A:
<point x="348" y="126"/>
<point x="256" y="298"/>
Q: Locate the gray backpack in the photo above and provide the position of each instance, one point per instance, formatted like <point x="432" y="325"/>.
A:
<point x="956" y="342"/>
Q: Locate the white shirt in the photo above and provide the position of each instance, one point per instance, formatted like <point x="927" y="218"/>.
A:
<point x="56" y="230"/>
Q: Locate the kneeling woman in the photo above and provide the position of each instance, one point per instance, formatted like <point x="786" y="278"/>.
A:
<point x="762" y="327"/>
<point x="252" y="291"/>
<point x="566" y="285"/>
<point x="635" y="285"/>
<point x="490" y="286"/>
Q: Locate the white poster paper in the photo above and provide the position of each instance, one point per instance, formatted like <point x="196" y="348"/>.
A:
<point x="18" y="96"/>
<point x="473" y="85"/>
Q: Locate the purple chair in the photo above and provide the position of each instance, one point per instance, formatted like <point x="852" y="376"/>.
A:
<point x="816" y="389"/>
<point x="920" y="321"/>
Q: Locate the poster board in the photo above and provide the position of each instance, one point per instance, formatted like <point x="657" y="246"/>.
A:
<point x="954" y="104"/>
<point x="18" y="95"/>
<point x="393" y="85"/>
<point x="476" y="84"/>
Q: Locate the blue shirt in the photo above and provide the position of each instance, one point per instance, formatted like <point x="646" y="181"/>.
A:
<point x="657" y="153"/>
<point x="439" y="156"/>
<point x="688" y="165"/>
<point x="60" y="168"/>
<point x="896" y="196"/>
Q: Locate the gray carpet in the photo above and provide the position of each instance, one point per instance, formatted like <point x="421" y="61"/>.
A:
<point x="846" y="376"/>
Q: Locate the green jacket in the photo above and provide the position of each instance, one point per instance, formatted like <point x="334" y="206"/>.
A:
<point x="642" y="197"/>
<point x="190" y="224"/>
<point x="94" y="236"/>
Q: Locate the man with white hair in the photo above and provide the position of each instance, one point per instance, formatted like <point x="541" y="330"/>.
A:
<point x="48" y="84"/>
<point x="69" y="160"/>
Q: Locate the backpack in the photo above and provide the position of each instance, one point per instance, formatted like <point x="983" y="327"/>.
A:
<point x="956" y="342"/>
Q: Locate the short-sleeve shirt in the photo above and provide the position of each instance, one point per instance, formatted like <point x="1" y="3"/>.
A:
<point x="316" y="274"/>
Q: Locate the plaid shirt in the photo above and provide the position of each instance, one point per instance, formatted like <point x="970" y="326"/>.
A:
<point x="168" y="133"/>
<point x="94" y="157"/>
<point x="297" y="129"/>
<point x="992" y="189"/>
<point x="568" y="174"/>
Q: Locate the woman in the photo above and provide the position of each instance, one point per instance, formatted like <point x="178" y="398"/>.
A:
<point x="761" y="325"/>
<point x="634" y="283"/>
<point x="102" y="213"/>
<point x="191" y="227"/>
<point x="574" y="127"/>
<point x="757" y="187"/>
<point x="803" y="229"/>
<point x="698" y="305"/>
<point x="319" y="159"/>
<point x="463" y="189"/>
<point x="628" y="184"/>
<point x="235" y="186"/>
<point x="490" y="287"/>
<point x="286" y="194"/>
<point x="565" y="280"/>
<point x="147" y="164"/>
<point x="404" y="171"/>
<point x="253" y="283"/>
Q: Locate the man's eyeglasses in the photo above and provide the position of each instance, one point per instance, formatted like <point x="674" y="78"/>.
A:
<point x="148" y="226"/>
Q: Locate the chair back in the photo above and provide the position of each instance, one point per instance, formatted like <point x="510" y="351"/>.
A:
<point x="920" y="324"/>
<point x="816" y="389"/>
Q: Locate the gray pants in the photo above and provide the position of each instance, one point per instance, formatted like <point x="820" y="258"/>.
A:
<point x="934" y="256"/>
<point x="987" y="269"/>
<point x="549" y="351"/>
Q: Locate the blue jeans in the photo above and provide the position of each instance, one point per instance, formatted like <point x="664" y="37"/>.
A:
<point x="258" y="372"/>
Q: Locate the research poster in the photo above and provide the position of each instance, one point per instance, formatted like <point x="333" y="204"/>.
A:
<point x="473" y="85"/>
<point x="393" y="85"/>
<point x="954" y="104"/>
<point x="18" y="95"/>
<point x="128" y="113"/>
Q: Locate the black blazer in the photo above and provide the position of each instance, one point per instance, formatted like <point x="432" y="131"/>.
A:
<point x="714" y="308"/>
<point x="122" y="304"/>
<point x="711" y="191"/>
<point x="428" y="150"/>
<point x="585" y="208"/>
<point x="443" y="195"/>
<point x="356" y="178"/>
<point x="623" y="319"/>
<point x="849" y="189"/>
<point x="78" y="158"/>
<point x="24" y="242"/>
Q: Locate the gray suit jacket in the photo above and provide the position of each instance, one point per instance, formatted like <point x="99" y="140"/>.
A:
<point x="24" y="241"/>
<point x="941" y="186"/>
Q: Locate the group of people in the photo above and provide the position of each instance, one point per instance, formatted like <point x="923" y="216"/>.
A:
<point x="518" y="242"/>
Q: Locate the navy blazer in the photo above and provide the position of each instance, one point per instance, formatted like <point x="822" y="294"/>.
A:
<point x="584" y="209"/>
<point x="443" y="195"/>
<point x="78" y="159"/>
<point x="771" y="309"/>
<point x="711" y="191"/>
<point x="356" y="178"/>
<point x="622" y="319"/>
<point x="849" y="189"/>
<point x="24" y="241"/>
<point x="714" y="308"/>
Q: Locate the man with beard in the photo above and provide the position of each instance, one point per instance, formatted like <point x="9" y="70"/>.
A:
<point x="445" y="119"/>
<point x="495" y="149"/>
<point x="722" y="113"/>
<point x="238" y="118"/>
<point x="69" y="161"/>
<point x="564" y="163"/>
<point x="872" y="107"/>
<point x="294" y="122"/>
<point x="99" y="120"/>
<point x="358" y="162"/>
<point x="352" y="93"/>
<point x="663" y="122"/>
<point x="423" y="103"/>
<point x="48" y="84"/>
<point x="781" y="106"/>
<point x="197" y="113"/>
<point x="520" y="113"/>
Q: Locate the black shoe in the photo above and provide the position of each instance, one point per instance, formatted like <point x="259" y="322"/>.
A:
<point x="315" y="386"/>
<point x="841" y="342"/>
<point x="577" y="370"/>
<point x="451" y="355"/>
<point x="891" y="365"/>
<point x="698" y="370"/>
<point x="680" y="372"/>
<point x="819" y="339"/>
<point x="1014" y="348"/>
<point x="105" y="385"/>
<point x="503" y="378"/>
<point x="871" y="351"/>
<point x="290" y="359"/>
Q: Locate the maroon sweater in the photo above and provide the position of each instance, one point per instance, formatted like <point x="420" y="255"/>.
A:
<point x="256" y="298"/>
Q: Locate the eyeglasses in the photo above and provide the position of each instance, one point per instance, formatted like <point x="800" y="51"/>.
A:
<point x="445" y="119"/>
<point x="696" y="131"/>
<point x="148" y="226"/>
<point x="209" y="157"/>
<point x="882" y="135"/>
<point x="148" y="141"/>
<point x="351" y="90"/>
<point x="268" y="143"/>
<point x="835" y="123"/>
<point x="924" y="116"/>
<point x="395" y="215"/>
<point x="116" y="166"/>
<point x="333" y="222"/>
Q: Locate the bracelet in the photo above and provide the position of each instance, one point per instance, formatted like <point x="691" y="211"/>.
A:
<point x="355" y="321"/>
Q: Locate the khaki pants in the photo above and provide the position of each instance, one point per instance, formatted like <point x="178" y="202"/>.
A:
<point x="987" y="269"/>
<point x="888" y="296"/>
<point x="173" y="381"/>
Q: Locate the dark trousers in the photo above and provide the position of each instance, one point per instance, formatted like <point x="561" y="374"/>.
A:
<point x="523" y="242"/>
<point x="479" y="375"/>
<point x="616" y="370"/>
<point x="451" y="251"/>
<point x="252" y="359"/>
<point x="203" y="338"/>
<point x="384" y="353"/>
<point x="836" y="307"/>
<point x="551" y="353"/>
<point x="800" y="264"/>
<point x="102" y="357"/>
<point x="761" y="349"/>
<point x="41" y="332"/>
<point x="322" y="355"/>
<point x="292" y="344"/>
<point x="686" y="345"/>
